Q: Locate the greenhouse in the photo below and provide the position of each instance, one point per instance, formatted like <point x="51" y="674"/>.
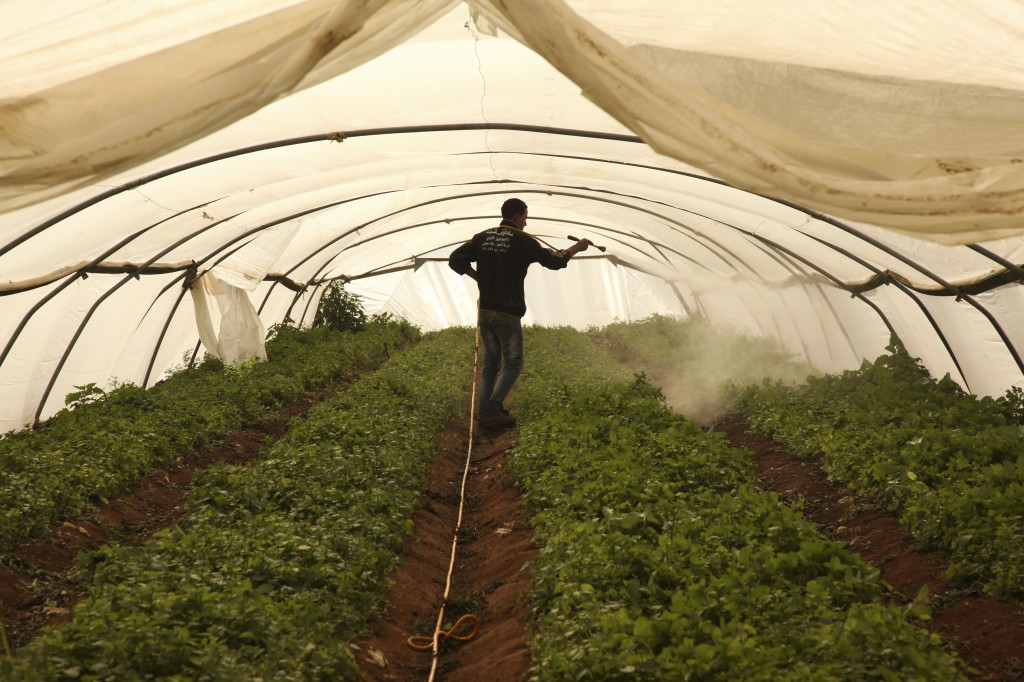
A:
<point x="224" y="241"/>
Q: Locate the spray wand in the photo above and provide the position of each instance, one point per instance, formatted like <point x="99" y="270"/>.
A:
<point x="599" y="248"/>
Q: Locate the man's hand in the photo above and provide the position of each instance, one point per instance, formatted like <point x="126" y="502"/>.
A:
<point x="581" y="245"/>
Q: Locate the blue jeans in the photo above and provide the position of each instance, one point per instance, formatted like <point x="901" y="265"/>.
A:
<point x="501" y="337"/>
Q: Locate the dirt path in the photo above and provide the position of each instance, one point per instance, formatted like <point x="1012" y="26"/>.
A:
<point x="39" y="581"/>
<point x="490" y="580"/>
<point x="988" y="633"/>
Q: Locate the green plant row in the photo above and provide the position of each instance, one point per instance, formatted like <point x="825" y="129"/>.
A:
<point x="661" y="558"/>
<point x="275" y="570"/>
<point x="951" y="464"/>
<point x="81" y="456"/>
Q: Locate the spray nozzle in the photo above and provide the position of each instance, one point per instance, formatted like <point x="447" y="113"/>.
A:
<point x="599" y="248"/>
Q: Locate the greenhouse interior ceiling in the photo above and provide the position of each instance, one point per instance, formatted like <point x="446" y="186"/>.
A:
<point x="177" y="176"/>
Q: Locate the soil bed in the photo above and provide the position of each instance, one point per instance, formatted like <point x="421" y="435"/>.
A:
<point x="988" y="633"/>
<point x="39" y="581"/>
<point x="490" y="579"/>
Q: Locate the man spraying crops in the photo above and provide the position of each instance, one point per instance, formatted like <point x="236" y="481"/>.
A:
<point x="502" y="255"/>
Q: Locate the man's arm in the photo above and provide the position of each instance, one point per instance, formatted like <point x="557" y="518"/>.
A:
<point x="556" y="260"/>
<point x="581" y="245"/>
<point x="461" y="260"/>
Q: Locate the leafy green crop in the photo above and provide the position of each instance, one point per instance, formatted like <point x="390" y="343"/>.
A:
<point x="951" y="464"/>
<point x="663" y="560"/>
<point x="80" y="457"/>
<point x="276" y="568"/>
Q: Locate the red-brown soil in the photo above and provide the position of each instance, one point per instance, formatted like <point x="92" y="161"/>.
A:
<point x="490" y="578"/>
<point x="40" y="582"/>
<point x="987" y="633"/>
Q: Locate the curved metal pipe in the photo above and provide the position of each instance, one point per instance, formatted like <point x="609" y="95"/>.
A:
<point x="521" y="191"/>
<point x="960" y="294"/>
<point x="51" y="295"/>
<point x="1015" y="269"/>
<point x="316" y="274"/>
<point x="336" y="136"/>
<point x="92" y="309"/>
<point x="416" y="129"/>
<point x="892" y="330"/>
<point x="786" y="263"/>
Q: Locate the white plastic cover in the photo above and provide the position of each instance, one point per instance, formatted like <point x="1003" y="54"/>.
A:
<point x="260" y="149"/>
<point x="228" y="324"/>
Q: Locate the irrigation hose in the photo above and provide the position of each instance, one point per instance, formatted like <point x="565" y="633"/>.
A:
<point x="418" y="642"/>
<point x="7" y="646"/>
<point x="421" y="643"/>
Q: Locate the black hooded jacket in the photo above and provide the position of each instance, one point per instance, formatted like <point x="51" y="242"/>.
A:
<point x="502" y="256"/>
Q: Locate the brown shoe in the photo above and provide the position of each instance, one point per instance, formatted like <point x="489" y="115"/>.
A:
<point x="496" y="417"/>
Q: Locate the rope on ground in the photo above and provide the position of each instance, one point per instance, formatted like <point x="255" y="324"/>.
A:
<point x="435" y="642"/>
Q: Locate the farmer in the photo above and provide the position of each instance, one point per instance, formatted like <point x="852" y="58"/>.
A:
<point x="502" y="255"/>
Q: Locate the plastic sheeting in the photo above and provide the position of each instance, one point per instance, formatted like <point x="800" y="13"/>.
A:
<point x="925" y="136"/>
<point x="257" y="151"/>
<point x="228" y="324"/>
